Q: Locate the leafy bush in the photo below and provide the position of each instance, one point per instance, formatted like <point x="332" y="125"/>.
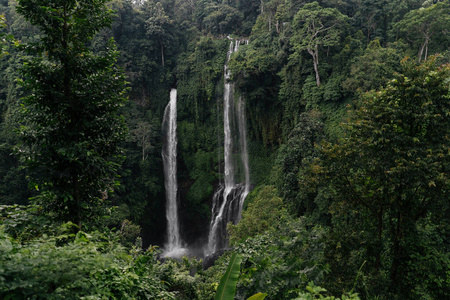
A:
<point x="314" y="292"/>
<point x="24" y="222"/>
<point x="281" y="260"/>
<point x="183" y="277"/>
<point x="81" y="266"/>
<point x="265" y="210"/>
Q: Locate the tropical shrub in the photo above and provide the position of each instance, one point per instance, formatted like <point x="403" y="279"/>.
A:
<point x="81" y="266"/>
<point x="281" y="260"/>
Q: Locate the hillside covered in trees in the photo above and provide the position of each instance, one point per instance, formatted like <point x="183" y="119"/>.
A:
<point x="346" y="106"/>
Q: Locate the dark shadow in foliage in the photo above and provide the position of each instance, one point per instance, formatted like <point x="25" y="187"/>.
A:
<point x="293" y="157"/>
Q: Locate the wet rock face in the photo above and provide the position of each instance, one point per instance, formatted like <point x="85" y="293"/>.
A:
<point x="209" y="260"/>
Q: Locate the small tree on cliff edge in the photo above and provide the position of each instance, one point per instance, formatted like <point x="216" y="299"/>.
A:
<point x="71" y="129"/>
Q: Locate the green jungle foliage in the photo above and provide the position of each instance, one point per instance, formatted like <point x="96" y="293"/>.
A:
<point x="347" y="110"/>
<point x="78" y="266"/>
<point x="70" y="131"/>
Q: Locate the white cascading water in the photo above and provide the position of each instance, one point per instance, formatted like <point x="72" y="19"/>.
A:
<point x="173" y="248"/>
<point x="244" y="151"/>
<point x="227" y="117"/>
<point x="229" y="199"/>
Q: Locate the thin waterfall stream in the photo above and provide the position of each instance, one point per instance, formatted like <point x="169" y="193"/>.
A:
<point x="244" y="152"/>
<point x="173" y="247"/>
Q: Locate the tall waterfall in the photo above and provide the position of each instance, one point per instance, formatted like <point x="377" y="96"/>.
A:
<point x="244" y="151"/>
<point x="169" y="155"/>
<point x="229" y="198"/>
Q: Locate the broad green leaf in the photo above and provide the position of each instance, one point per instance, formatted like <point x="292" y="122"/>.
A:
<point x="227" y="285"/>
<point x="258" y="296"/>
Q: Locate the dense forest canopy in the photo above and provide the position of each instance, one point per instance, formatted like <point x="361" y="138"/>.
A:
<point x="347" y="107"/>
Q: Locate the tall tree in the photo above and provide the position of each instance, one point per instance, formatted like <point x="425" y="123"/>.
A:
<point x="71" y="129"/>
<point x="373" y="69"/>
<point x="419" y="26"/>
<point x="222" y="19"/>
<point x="142" y="135"/>
<point x="316" y="27"/>
<point x="158" y="26"/>
<point x="391" y="171"/>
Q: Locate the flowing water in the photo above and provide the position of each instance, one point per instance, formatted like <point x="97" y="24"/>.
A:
<point x="229" y="198"/>
<point x="244" y="151"/>
<point x="173" y="247"/>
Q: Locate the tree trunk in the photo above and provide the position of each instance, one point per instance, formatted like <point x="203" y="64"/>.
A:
<point x="379" y="240"/>
<point x="77" y="200"/>
<point x="143" y="147"/>
<point x="162" y="54"/>
<point x="424" y="46"/>
<point x="396" y="252"/>
<point x="315" y="54"/>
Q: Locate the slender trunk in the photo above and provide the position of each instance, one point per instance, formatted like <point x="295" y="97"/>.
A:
<point x="65" y="46"/>
<point x="143" y="147"/>
<point x="75" y="206"/>
<point x="424" y="46"/>
<point x="421" y="52"/>
<point x="315" y="54"/>
<point x="396" y="252"/>
<point x="379" y="240"/>
<point x="316" y="69"/>
<point x="77" y="200"/>
<point x="162" y="53"/>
